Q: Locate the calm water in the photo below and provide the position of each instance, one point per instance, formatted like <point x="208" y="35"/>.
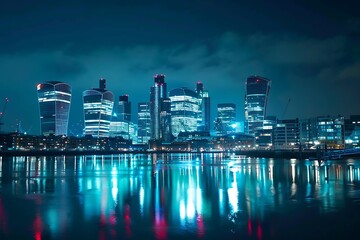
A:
<point x="178" y="196"/>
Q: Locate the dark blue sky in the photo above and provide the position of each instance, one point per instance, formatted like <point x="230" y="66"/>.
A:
<point x="309" y="49"/>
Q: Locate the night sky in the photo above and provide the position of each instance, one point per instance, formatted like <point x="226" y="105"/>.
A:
<point x="309" y="49"/>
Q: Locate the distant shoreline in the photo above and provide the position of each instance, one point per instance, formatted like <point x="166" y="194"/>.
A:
<point x="251" y="153"/>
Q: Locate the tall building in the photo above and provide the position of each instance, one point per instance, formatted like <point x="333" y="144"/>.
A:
<point x="121" y="125"/>
<point x="98" y="108"/>
<point x="226" y="118"/>
<point x="54" y="103"/>
<point x="157" y="94"/>
<point x="165" y="120"/>
<point x="185" y="106"/>
<point x="204" y="111"/>
<point x="256" y="97"/>
<point x="144" y="122"/>
<point x="124" y="109"/>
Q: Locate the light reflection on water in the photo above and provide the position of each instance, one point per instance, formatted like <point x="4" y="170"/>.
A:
<point x="169" y="196"/>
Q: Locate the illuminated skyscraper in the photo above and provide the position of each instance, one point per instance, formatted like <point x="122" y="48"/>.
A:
<point x="157" y="94"/>
<point x="226" y="117"/>
<point x="124" y="110"/>
<point x="185" y="106"/>
<point x="165" y="120"/>
<point x="143" y="122"/>
<point x="204" y="111"/>
<point x="98" y="108"/>
<point x="199" y="88"/>
<point x="256" y="97"/>
<point x="54" y="104"/>
<point x="121" y="124"/>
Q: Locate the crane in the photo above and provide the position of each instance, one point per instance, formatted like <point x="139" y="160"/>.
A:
<point x="2" y="113"/>
<point x="286" y="107"/>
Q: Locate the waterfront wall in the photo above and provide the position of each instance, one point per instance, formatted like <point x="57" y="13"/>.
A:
<point x="252" y="153"/>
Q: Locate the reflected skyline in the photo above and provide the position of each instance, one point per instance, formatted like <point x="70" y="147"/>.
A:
<point x="163" y="196"/>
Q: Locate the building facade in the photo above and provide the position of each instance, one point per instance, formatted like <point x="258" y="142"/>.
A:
<point x="165" y="121"/>
<point x="124" y="108"/>
<point x="98" y="108"/>
<point x="185" y="106"/>
<point x="143" y="122"/>
<point x="54" y="104"/>
<point x="286" y="134"/>
<point x="121" y="128"/>
<point x="264" y="137"/>
<point x="256" y="98"/>
<point x="330" y="131"/>
<point x="204" y="111"/>
<point x="226" y="116"/>
<point x="352" y="131"/>
<point x="308" y="132"/>
<point x="157" y="94"/>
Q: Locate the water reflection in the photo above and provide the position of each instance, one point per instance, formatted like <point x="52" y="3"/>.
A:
<point x="166" y="196"/>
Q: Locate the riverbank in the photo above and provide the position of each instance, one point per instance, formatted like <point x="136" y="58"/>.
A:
<point x="250" y="153"/>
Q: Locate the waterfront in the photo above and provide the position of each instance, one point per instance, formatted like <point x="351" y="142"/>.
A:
<point x="177" y="196"/>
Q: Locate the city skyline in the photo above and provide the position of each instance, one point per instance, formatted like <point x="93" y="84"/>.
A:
<point x="312" y="61"/>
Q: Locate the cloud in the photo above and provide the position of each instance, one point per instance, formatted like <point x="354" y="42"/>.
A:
<point x="297" y="50"/>
<point x="307" y="70"/>
<point x="351" y="72"/>
<point x="63" y="68"/>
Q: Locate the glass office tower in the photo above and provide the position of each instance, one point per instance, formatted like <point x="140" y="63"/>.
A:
<point x="98" y="108"/>
<point x="124" y="109"/>
<point x="256" y="97"/>
<point x="54" y="103"/>
<point x="226" y="117"/>
<point x="204" y="111"/>
<point x="143" y="122"/>
<point x="157" y="94"/>
<point x="185" y="106"/>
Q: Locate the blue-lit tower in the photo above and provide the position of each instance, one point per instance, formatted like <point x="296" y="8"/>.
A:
<point x="54" y="103"/>
<point x="204" y="111"/>
<point x="185" y="106"/>
<point x="124" y="108"/>
<point x="98" y="108"/>
<point x="256" y="98"/>
<point x="226" y="114"/>
<point x="144" y="122"/>
<point x="157" y="94"/>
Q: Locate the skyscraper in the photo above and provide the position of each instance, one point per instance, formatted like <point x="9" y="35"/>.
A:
<point x="204" y="111"/>
<point x="226" y="117"/>
<point x="54" y="103"/>
<point x="199" y="88"/>
<point x="124" y="109"/>
<point x="256" y="97"/>
<point x="157" y="94"/>
<point x="185" y="106"/>
<point x="121" y="124"/>
<point x="143" y="122"/>
<point x="165" y="120"/>
<point x="98" y="108"/>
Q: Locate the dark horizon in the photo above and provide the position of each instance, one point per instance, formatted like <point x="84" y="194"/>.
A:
<point x="309" y="50"/>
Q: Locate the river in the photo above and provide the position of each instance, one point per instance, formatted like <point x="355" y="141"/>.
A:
<point x="177" y="196"/>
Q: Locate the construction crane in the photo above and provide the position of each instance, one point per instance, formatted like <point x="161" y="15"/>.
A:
<point x="2" y="113"/>
<point x="286" y="107"/>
